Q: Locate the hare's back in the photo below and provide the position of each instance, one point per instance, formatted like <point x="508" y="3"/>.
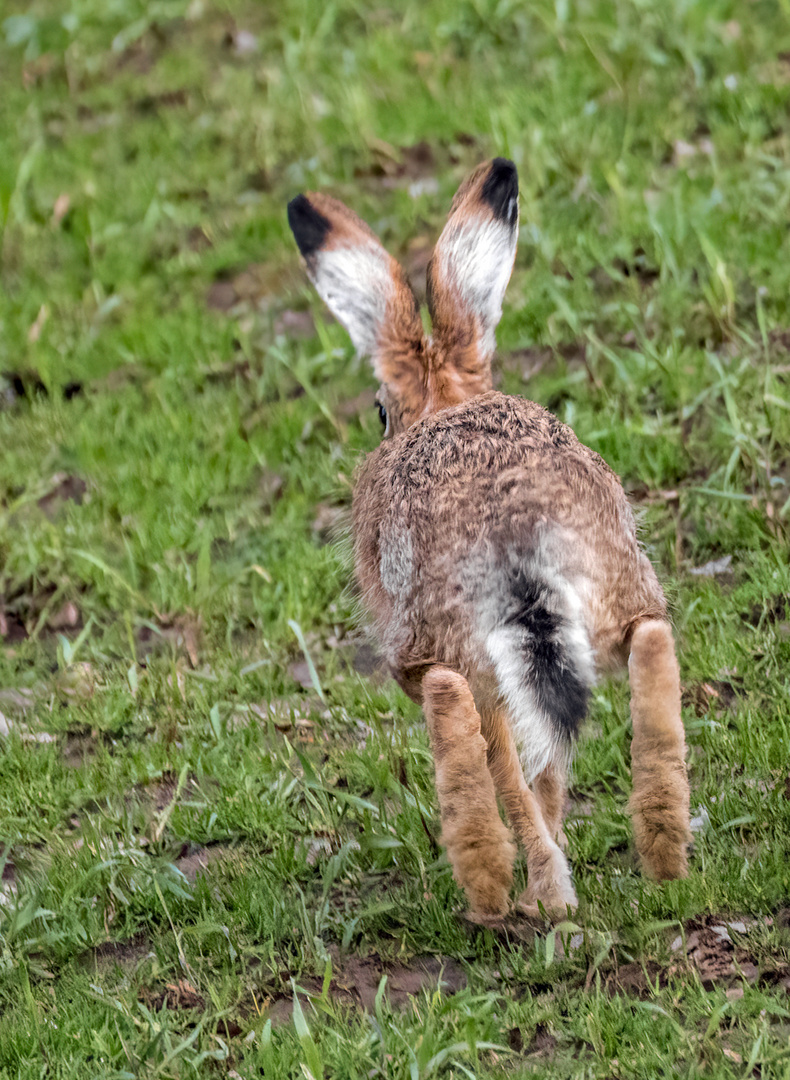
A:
<point x="480" y="508"/>
<point x="472" y="468"/>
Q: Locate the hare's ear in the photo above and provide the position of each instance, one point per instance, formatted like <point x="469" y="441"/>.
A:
<point x="472" y="264"/>
<point x="361" y="284"/>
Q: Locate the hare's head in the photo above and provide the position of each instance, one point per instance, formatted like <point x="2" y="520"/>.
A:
<point x="367" y="291"/>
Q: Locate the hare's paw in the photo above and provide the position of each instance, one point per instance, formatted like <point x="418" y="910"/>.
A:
<point x="549" y="886"/>
<point x="661" y="826"/>
<point x="486" y="876"/>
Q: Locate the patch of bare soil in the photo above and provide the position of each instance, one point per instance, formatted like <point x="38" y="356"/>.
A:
<point x="397" y="167"/>
<point x="779" y="338"/>
<point x="635" y="979"/>
<point x="221" y="296"/>
<point x="156" y="795"/>
<point x="38" y="609"/>
<point x="124" y="954"/>
<point x="712" y="695"/>
<point x="16" y="386"/>
<point x="197" y="239"/>
<point x="718" y="950"/>
<point x="179" y="995"/>
<point x="356" y="981"/>
<point x="22" y="699"/>
<point x="40" y="69"/>
<point x="720" y="568"/>
<point x="19" y="385"/>
<point x="65" y="488"/>
<point x="368" y="661"/>
<point x="351" y="408"/>
<point x="414" y="260"/>
<point x="287" y="715"/>
<point x="194" y="863"/>
<point x="542" y="1044"/>
<point x="181" y="633"/>
<point x="527" y="362"/>
<point x="7" y="877"/>
<point x="142" y="54"/>
<point x="78" y="748"/>
<point x="639" y="266"/>
<point x="641" y="493"/>
<point x="533" y="359"/>
<point x="157" y="798"/>
<point x="256" y="286"/>
<point x="330" y="522"/>
<point x="168" y="99"/>
<point x="294" y="324"/>
<point x="12" y="627"/>
<point x="578" y="806"/>
<point x="774" y="609"/>
<point x="358" y="653"/>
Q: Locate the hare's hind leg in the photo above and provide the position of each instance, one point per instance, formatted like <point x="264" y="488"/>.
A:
<point x="660" y="800"/>
<point x="478" y="844"/>
<point x="551" y="789"/>
<point x="549" y="878"/>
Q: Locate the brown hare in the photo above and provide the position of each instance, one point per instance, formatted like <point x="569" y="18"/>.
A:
<point x="497" y="557"/>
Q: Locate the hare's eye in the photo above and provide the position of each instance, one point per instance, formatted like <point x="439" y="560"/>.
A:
<point x="382" y="415"/>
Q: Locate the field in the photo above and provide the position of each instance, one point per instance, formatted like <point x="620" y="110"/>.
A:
<point x="218" y="826"/>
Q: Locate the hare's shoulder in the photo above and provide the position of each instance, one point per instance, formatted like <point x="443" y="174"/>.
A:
<point x="484" y="437"/>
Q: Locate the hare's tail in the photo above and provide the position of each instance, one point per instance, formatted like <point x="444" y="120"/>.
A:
<point x="544" y="665"/>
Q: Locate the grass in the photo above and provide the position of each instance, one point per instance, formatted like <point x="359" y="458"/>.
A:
<point x="191" y="830"/>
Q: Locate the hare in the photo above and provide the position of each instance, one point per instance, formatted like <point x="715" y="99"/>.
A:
<point x="496" y="556"/>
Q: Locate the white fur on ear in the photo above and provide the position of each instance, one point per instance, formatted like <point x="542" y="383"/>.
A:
<point x="355" y="282"/>
<point x="474" y="261"/>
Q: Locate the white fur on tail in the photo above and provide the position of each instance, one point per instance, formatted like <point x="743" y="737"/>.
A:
<point x="540" y="736"/>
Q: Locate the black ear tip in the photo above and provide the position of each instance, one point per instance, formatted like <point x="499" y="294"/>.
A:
<point x="310" y="228"/>
<point x="504" y="167"/>
<point x="500" y="190"/>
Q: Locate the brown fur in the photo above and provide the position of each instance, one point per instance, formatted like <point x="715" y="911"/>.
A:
<point x="474" y="482"/>
<point x="551" y="791"/>
<point x="548" y="875"/>
<point x="660" y="799"/>
<point x="477" y="843"/>
<point x="505" y="464"/>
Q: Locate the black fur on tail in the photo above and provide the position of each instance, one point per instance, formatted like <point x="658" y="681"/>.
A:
<point x="562" y="691"/>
